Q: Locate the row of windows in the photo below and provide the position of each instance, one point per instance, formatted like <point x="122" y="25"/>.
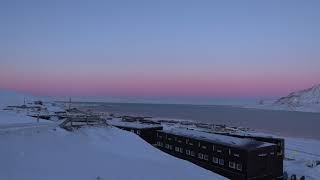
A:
<point x="199" y="145"/>
<point x="202" y="156"/>
<point x="234" y="165"/>
<point x="137" y="131"/>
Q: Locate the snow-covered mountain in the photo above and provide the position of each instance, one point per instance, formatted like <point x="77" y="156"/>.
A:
<point x="307" y="100"/>
<point x="306" y="97"/>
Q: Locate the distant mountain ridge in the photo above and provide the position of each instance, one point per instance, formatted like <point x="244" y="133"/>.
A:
<point x="310" y="96"/>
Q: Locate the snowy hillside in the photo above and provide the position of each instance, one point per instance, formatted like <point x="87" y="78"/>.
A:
<point x="89" y="154"/>
<point x="307" y="100"/>
<point x="38" y="150"/>
<point x="309" y="96"/>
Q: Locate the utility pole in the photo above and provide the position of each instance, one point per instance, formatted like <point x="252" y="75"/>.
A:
<point x="69" y="103"/>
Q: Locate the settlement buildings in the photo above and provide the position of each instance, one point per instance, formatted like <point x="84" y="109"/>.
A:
<point x="239" y="158"/>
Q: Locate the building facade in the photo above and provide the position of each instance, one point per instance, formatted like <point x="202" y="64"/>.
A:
<point x="232" y="157"/>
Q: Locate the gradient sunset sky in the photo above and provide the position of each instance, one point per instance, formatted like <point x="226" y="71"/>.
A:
<point x="159" y="48"/>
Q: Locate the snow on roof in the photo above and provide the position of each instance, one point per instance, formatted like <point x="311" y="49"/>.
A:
<point x="243" y="143"/>
<point x="135" y="125"/>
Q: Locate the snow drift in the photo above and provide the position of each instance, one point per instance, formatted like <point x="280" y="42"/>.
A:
<point x="89" y="154"/>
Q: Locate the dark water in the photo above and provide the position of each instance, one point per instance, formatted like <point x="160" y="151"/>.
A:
<point x="296" y="124"/>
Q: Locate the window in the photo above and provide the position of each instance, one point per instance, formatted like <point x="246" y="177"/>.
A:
<point x="239" y="167"/>
<point x="188" y="152"/>
<point x="177" y="149"/>
<point x="170" y="147"/>
<point x="212" y="147"/>
<point x="192" y="153"/>
<point x="229" y="151"/>
<point x="232" y="164"/>
<point x="160" y="144"/>
<point x="236" y="155"/>
<point x="219" y="150"/>
<point x="169" y="138"/>
<point x="221" y="162"/>
<point x="205" y="157"/>
<point x="215" y="160"/>
<point x="179" y="141"/>
<point x="199" y="144"/>
<point x="204" y="147"/>
<point x="181" y="150"/>
<point x="262" y="155"/>
<point x="190" y="143"/>
<point x="167" y="146"/>
<point x="138" y="132"/>
<point x="200" y="155"/>
<point x="187" y="141"/>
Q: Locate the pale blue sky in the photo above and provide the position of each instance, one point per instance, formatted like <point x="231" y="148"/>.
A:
<point x="240" y="42"/>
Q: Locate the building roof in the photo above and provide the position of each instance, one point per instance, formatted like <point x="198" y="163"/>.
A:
<point x="243" y="143"/>
<point x="135" y="125"/>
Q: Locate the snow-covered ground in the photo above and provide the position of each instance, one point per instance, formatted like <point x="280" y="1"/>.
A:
<point x="89" y="153"/>
<point x="300" y="154"/>
<point x="38" y="150"/>
<point x="41" y="150"/>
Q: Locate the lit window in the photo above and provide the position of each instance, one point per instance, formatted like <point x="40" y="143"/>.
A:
<point x="190" y="143"/>
<point x="229" y="151"/>
<point x="232" y="165"/>
<point x="212" y="147"/>
<point x="221" y="161"/>
<point x="205" y="157"/>
<point x="219" y="150"/>
<point x="204" y="147"/>
<point x="199" y="144"/>
<point x="169" y="139"/>
<point x="200" y="155"/>
<point x="215" y="160"/>
<point x="239" y="167"/>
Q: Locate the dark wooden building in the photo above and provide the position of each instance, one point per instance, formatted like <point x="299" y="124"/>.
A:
<point x="280" y="149"/>
<point x="233" y="157"/>
<point x="146" y="131"/>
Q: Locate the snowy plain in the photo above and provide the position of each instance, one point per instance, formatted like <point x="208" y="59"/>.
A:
<point x="32" y="150"/>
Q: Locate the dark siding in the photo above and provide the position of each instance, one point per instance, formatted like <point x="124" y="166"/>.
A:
<point x="244" y="164"/>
